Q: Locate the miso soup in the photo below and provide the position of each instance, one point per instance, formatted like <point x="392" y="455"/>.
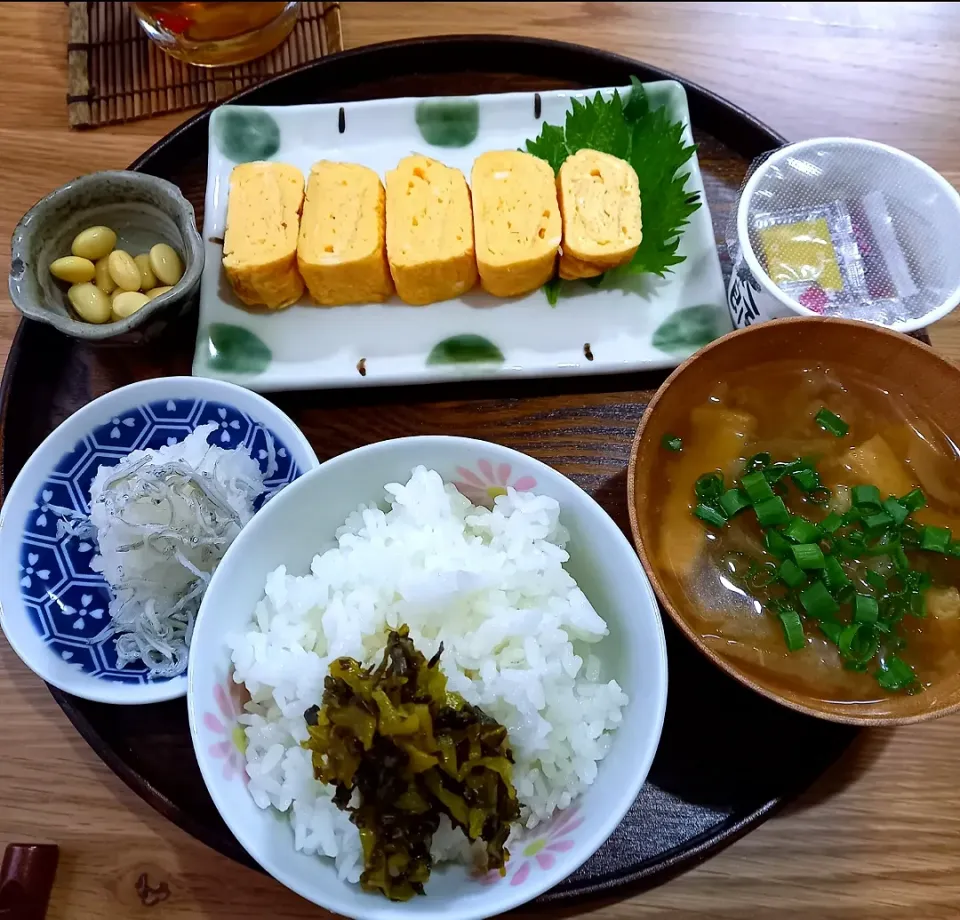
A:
<point x="855" y="564"/>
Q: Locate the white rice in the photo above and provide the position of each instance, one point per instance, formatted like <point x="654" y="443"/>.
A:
<point x="516" y="631"/>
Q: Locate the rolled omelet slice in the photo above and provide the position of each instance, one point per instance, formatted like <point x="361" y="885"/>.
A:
<point x="599" y="199"/>
<point x="341" y="252"/>
<point x="260" y="240"/>
<point x="429" y="231"/>
<point x="516" y="221"/>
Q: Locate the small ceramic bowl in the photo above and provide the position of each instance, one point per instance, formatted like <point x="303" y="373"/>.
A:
<point x="53" y="605"/>
<point x="926" y="380"/>
<point x="300" y="523"/>
<point x="143" y="210"/>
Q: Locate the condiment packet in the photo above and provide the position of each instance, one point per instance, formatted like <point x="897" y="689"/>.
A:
<point x="811" y="254"/>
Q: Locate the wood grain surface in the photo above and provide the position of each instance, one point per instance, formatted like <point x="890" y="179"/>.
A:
<point x="879" y="836"/>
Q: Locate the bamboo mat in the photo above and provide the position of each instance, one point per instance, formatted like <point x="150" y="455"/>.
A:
<point x="117" y="74"/>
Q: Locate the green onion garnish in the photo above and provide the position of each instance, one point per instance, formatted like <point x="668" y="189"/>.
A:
<point x="896" y="674"/>
<point x="806" y="479"/>
<point x="792" y="629"/>
<point x="772" y="512"/>
<point x="818" y="602"/>
<point x="831" y="629"/>
<point x="935" y="539"/>
<point x="897" y="511"/>
<point x="671" y="442"/>
<point x="877" y="521"/>
<point x="808" y="556"/>
<point x="831" y="522"/>
<point x="709" y="487"/>
<point x="863" y="626"/>
<point x="800" y="530"/>
<point x="756" y="487"/>
<point x="709" y="514"/>
<point x="791" y="574"/>
<point x="733" y="501"/>
<point x="865" y="609"/>
<point x="776" y="544"/>
<point x="865" y="496"/>
<point x="914" y="500"/>
<point x="834" y="575"/>
<point x="828" y="421"/>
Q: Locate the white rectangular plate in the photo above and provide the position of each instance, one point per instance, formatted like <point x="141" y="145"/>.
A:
<point x="642" y="323"/>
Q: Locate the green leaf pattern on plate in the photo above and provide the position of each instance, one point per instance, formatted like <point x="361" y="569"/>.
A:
<point x="235" y="350"/>
<point x="688" y="329"/>
<point x="244" y="134"/>
<point x="465" y="349"/>
<point x="448" y="122"/>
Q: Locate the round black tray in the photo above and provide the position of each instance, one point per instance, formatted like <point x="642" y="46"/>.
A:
<point x="728" y="758"/>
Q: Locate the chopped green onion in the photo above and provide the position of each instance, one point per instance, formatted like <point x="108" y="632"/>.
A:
<point x="847" y="636"/>
<point x="792" y="629"/>
<point x="831" y="629"/>
<point x="878" y="520"/>
<point x="865" y="609"/>
<point x="876" y="581"/>
<point x="791" y="574"/>
<point x="896" y="674"/>
<point x="896" y="510"/>
<point x="909" y="535"/>
<point x="710" y="515"/>
<point x="776" y="471"/>
<point x="831" y="522"/>
<point x="914" y="500"/>
<point x="834" y="575"/>
<point x="828" y="421"/>
<point x="859" y="642"/>
<point x="918" y="605"/>
<point x="776" y="543"/>
<point x="844" y="594"/>
<point x="935" y="539"/>
<point x="808" y="556"/>
<point x="756" y="486"/>
<point x="818" y="602"/>
<point x="851" y="516"/>
<point x="806" y="479"/>
<point x="758" y="462"/>
<point x="733" y="501"/>
<point x="672" y="442"/>
<point x="709" y="487"/>
<point x="800" y="530"/>
<point x="865" y="496"/>
<point x="900" y="560"/>
<point x="772" y="512"/>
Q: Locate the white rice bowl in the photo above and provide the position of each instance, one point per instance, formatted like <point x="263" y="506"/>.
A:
<point x="517" y="638"/>
<point x="582" y="699"/>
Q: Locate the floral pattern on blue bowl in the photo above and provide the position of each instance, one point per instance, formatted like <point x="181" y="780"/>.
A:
<point x="67" y="601"/>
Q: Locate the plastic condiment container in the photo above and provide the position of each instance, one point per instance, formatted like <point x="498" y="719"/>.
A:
<point x="894" y="224"/>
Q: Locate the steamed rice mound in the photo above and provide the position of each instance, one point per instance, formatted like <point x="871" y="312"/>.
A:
<point x="517" y="634"/>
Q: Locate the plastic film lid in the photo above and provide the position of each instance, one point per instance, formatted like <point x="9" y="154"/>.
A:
<point x="853" y="228"/>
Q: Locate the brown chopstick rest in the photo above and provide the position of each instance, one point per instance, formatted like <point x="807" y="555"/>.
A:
<point x="26" y="880"/>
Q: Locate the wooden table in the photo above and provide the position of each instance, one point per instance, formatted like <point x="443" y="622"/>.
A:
<point x="879" y="836"/>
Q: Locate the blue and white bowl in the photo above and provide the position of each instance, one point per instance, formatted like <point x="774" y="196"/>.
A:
<point x="52" y="605"/>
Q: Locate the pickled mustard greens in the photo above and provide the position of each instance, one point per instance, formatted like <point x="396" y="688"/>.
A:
<point x="401" y="752"/>
<point x="821" y="553"/>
